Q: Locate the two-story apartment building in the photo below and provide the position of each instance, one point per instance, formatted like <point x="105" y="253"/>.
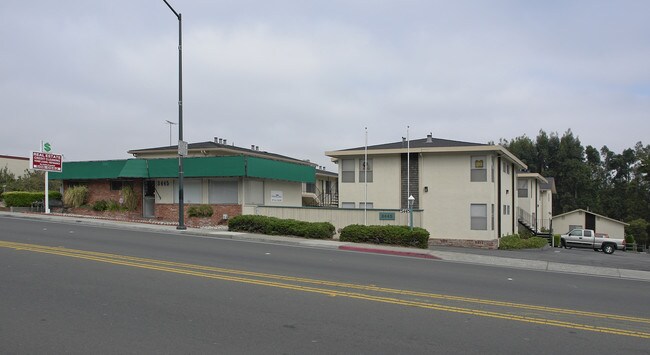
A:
<point x="466" y="191"/>
<point x="535" y="197"/>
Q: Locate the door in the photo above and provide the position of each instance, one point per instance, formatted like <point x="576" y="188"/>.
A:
<point x="574" y="238"/>
<point x="590" y="221"/>
<point x="149" y="199"/>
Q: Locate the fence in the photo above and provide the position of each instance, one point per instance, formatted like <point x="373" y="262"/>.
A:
<point x="339" y="217"/>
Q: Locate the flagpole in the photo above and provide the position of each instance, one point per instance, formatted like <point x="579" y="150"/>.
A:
<point x="365" y="180"/>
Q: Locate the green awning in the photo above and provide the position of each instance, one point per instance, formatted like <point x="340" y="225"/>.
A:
<point x="279" y="170"/>
<point x="195" y="167"/>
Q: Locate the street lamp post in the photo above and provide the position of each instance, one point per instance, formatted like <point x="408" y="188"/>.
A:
<point x="181" y="213"/>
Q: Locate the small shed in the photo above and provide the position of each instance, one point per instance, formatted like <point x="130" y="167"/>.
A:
<point x="580" y="218"/>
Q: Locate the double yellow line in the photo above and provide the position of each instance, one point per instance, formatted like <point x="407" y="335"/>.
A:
<point x="366" y="292"/>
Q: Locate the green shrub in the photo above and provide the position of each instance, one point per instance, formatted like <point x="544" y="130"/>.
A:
<point x="101" y="205"/>
<point x="557" y="240"/>
<point x="75" y="196"/>
<point x="130" y="199"/>
<point x="26" y="198"/>
<point x="113" y="206"/>
<point x="22" y="198"/>
<point x="200" y="211"/>
<point x="515" y="242"/>
<point x="277" y="226"/>
<point x="394" y="235"/>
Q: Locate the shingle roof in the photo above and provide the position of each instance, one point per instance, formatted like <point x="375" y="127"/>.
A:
<point x="420" y="143"/>
<point x="213" y="145"/>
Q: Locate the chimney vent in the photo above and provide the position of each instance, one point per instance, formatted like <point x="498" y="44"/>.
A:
<point x="225" y="141"/>
<point x="252" y="146"/>
<point x="216" y="139"/>
<point x="257" y="147"/>
<point x="430" y="137"/>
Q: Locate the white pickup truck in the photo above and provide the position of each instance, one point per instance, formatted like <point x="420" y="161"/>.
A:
<point x="587" y="238"/>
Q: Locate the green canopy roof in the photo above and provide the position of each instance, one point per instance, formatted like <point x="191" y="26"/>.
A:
<point x="192" y="168"/>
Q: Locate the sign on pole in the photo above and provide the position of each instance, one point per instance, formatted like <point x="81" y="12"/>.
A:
<point x="45" y="161"/>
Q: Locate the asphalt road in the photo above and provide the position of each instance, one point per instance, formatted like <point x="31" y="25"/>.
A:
<point x="74" y="288"/>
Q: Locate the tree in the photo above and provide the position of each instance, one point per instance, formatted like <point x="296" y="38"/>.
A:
<point x="638" y="228"/>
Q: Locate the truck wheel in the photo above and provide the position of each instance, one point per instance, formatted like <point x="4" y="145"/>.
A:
<point x="608" y="249"/>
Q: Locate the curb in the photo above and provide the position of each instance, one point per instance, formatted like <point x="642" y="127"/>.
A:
<point x="423" y="255"/>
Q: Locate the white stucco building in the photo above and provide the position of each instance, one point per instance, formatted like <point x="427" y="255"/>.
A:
<point x="466" y="191"/>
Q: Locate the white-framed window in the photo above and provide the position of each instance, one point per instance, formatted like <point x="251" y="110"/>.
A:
<point x="478" y="215"/>
<point x="363" y="204"/>
<point x="522" y="188"/>
<point x="506" y="167"/>
<point x="478" y="168"/>
<point x="365" y="168"/>
<point x="347" y="170"/>
<point x="348" y="205"/>
<point x="192" y="191"/>
<point x="223" y="192"/>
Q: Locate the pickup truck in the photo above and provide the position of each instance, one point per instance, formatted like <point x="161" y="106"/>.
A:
<point x="587" y="238"/>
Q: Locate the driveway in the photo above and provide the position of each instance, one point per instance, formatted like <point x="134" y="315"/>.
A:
<point x="587" y="257"/>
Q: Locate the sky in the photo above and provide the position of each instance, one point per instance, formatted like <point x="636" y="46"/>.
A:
<point x="298" y="78"/>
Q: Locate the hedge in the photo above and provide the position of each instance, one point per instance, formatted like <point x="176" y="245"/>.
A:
<point x="516" y="242"/>
<point x="277" y="226"/>
<point x="26" y="198"/>
<point x="394" y="235"/>
<point x="200" y="211"/>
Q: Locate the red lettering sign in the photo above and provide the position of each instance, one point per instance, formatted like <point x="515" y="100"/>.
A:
<point x="45" y="161"/>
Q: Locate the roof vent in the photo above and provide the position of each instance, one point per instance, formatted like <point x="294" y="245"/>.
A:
<point x="216" y="139"/>
<point x="252" y="146"/>
<point x="257" y="147"/>
<point x="225" y="141"/>
<point x="430" y="137"/>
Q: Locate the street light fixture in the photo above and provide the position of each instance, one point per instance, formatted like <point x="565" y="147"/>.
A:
<point x="181" y="213"/>
<point x="170" y="123"/>
<point x="411" y="201"/>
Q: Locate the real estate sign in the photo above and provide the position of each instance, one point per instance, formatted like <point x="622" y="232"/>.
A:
<point x="45" y="161"/>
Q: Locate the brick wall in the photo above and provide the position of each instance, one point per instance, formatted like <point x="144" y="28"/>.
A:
<point x="169" y="212"/>
<point x="465" y="243"/>
<point x="101" y="190"/>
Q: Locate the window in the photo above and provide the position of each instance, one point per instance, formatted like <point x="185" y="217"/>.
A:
<point x="223" y="192"/>
<point x="310" y="187"/>
<point x="365" y="169"/>
<point x="347" y="170"/>
<point x="192" y="191"/>
<point x="506" y="167"/>
<point x="347" y="205"/>
<point x="119" y="185"/>
<point x="522" y="188"/>
<point x="363" y="204"/>
<point x="478" y="214"/>
<point x="254" y="192"/>
<point x="479" y="169"/>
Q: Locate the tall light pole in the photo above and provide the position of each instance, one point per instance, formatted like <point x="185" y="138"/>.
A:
<point x="170" y="123"/>
<point x="181" y="213"/>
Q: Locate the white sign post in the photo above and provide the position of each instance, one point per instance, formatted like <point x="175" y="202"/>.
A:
<point x="46" y="162"/>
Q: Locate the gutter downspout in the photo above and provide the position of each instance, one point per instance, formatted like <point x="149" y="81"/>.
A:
<point x="499" y="207"/>
<point x="513" y="211"/>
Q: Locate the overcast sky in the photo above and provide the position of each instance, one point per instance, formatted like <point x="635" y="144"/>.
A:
<point x="298" y="78"/>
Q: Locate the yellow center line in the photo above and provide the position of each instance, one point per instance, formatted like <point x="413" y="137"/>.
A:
<point x="199" y="271"/>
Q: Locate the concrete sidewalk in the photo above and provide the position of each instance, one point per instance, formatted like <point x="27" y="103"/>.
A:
<point x="531" y="261"/>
